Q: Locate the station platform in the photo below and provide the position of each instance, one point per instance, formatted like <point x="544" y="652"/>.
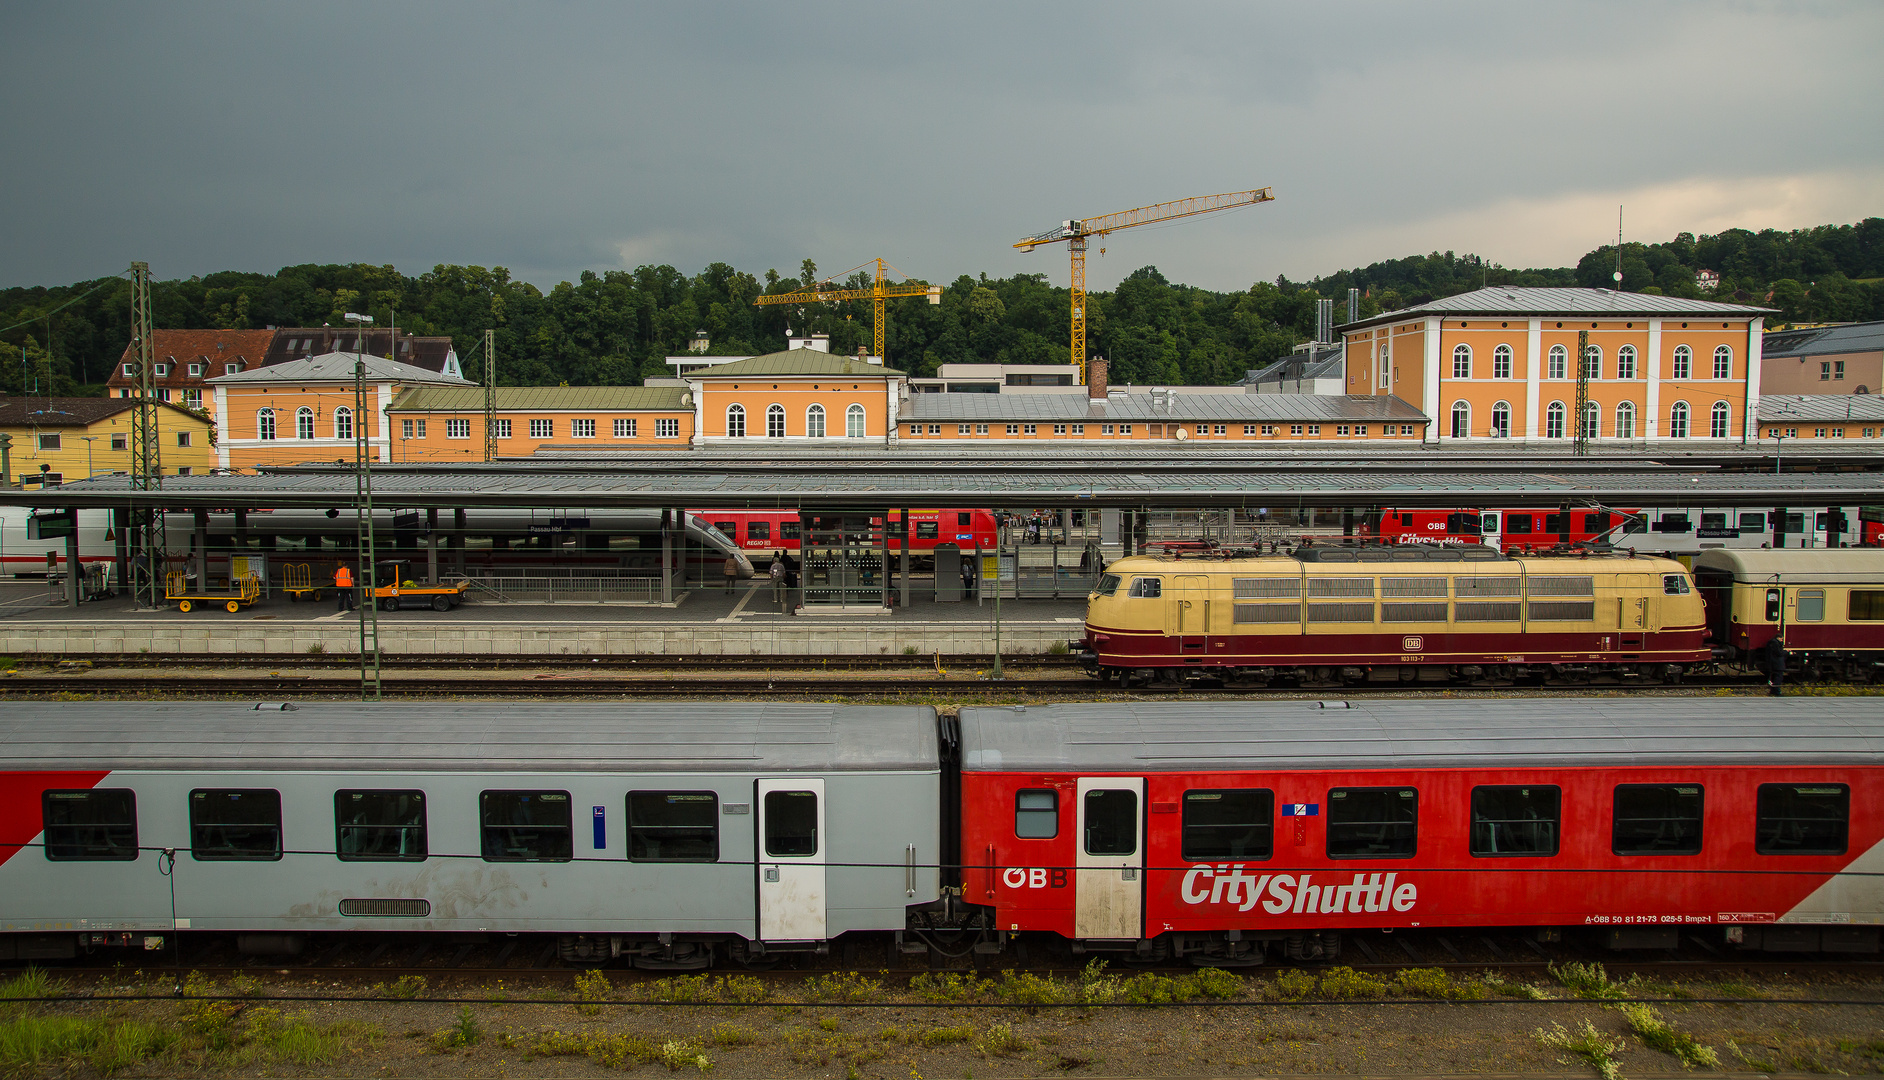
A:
<point x="702" y="622"/>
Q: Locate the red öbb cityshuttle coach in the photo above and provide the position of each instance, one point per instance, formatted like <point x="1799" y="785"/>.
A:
<point x="1219" y="832"/>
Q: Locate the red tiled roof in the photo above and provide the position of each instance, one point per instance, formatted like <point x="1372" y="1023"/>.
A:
<point x="181" y="348"/>
<point x="299" y="343"/>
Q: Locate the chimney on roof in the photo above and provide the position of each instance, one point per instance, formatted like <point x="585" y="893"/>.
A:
<point x="1096" y="378"/>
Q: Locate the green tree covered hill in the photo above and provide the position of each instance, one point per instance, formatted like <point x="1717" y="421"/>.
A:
<point x="615" y="327"/>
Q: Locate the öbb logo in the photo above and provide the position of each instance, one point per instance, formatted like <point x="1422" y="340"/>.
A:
<point x="1033" y="877"/>
<point x="1230" y="884"/>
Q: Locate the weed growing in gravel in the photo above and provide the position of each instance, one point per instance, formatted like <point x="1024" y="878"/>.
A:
<point x="730" y="1035"/>
<point x="1293" y="985"/>
<point x="1000" y="1041"/>
<point x="1343" y="983"/>
<point x="592" y="987"/>
<point x="466" y="1032"/>
<point x="242" y="984"/>
<point x="1498" y="984"/>
<point x="1595" y="1048"/>
<point x="683" y="1054"/>
<point x="31" y="983"/>
<point x="1754" y="1063"/>
<point x="32" y="1044"/>
<point x="948" y="987"/>
<point x="687" y="989"/>
<point x="841" y="986"/>
<point x="945" y="1036"/>
<point x="1588" y="981"/>
<point x="406" y="988"/>
<point x="1661" y="1035"/>
<point x="609" y="1050"/>
<point x="1437" y="983"/>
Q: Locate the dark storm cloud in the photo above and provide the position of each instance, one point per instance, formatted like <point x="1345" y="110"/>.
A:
<point x="552" y="139"/>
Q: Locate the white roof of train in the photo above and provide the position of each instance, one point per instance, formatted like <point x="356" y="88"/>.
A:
<point x="743" y="737"/>
<point x="1280" y="736"/>
<point x="1833" y="566"/>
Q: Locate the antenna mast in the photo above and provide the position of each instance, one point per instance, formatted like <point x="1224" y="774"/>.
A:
<point x="144" y="531"/>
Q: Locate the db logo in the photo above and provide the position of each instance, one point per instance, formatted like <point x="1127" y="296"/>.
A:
<point x="1033" y="877"/>
<point x="1412" y="644"/>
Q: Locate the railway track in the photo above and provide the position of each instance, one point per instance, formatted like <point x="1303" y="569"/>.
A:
<point x="275" y="685"/>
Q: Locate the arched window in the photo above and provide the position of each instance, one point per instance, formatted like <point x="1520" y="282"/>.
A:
<point x="1724" y="362"/>
<point x="304" y="423"/>
<point x="1462" y="362"/>
<point x="1684" y="362"/>
<point x="1625" y="420"/>
<point x="1593" y="361"/>
<point x="1592" y="420"/>
<point x="1719" y="419"/>
<point x="265" y="425"/>
<point x="1678" y="420"/>
<point x="1501" y="362"/>
<point x="343" y="423"/>
<point x="736" y="421"/>
<point x="1625" y="362"/>
<point x="814" y="422"/>
<point x="854" y="422"/>
<point x="775" y="421"/>
<point x="1386" y="365"/>
<point x="1501" y="420"/>
<point x="1553" y="420"/>
<point x="1461" y="420"/>
<point x="1559" y="363"/>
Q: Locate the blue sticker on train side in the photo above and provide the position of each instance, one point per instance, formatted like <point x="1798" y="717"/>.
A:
<point x="1301" y="809"/>
<point x="600" y="816"/>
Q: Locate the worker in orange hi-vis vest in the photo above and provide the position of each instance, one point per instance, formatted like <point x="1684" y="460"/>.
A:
<point x="343" y="586"/>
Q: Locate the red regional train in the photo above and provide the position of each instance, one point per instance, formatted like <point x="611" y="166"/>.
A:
<point x="1668" y="531"/>
<point x="672" y="836"/>
<point x="778" y="530"/>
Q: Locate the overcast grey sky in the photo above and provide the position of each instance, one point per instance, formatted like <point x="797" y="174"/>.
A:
<point x="553" y="138"/>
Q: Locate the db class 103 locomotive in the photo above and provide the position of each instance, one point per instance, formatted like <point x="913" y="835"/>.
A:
<point x="681" y="835"/>
<point x="1414" y="614"/>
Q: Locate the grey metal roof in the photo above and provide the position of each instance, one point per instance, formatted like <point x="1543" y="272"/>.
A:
<point x="1546" y="302"/>
<point x="1813" y="408"/>
<point x="338" y="367"/>
<point x="1143" y="408"/>
<point x="464" y="737"/>
<point x="1824" y="340"/>
<point x="986" y="480"/>
<point x="1320" y="364"/>
<point x="1826" y="566"/>
<point x="794" y="362"/>
<point x="1173" y="737"/>
<point x="470" y="398"/>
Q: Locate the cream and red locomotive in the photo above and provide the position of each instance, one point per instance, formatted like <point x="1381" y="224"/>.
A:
<point x="1405" y="614"/>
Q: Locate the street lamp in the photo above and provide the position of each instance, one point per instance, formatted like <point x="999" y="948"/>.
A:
<point x="89" y="440"/>
<point x="363" y="509"/>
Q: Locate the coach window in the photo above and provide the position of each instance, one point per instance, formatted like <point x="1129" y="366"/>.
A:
<point x="1811" y="605"/>
<point x="673" y="826"/>
<point x="730" y="528"/>
<point x="1373" y="823"/>
<point x="788" y="530"/>
<point x="380" y="825"/>
<point x="1802" y="819"/>
<point x="791" y="823"/>
<point x="1657" y="819"/>
<point x="758" y="530"/>
<point x="1147" y="587"/>
<point x="928" y="530"/>
<point x="526" y="826"/>
<point x="1228" y="824"/>
<point x="1515" y="820"/>
<point x="1036" y="814"/>
<point x="235" y="824"/>
<point x="1517" y="523"/>
<point x="1867" y="605"/>
<point x="1111" y="821"/>
<point x="100" y="823"/>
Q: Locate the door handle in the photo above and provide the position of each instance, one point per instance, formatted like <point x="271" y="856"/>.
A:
<point x="771" y="873"/>
<point x="991" y="871"/>
<point x="910" y="889"/>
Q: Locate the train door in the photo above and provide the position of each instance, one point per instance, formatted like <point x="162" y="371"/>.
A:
<point x="1109" y="887"/>
<point x="1187" y="613"/>
<point x="1638" y="609"/>
<point x="791" y="860"/>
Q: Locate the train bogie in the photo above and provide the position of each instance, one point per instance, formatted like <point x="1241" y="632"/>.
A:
<point x="1413" y="614"/>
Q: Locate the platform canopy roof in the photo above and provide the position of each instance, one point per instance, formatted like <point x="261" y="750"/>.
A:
<point x="1168" y="482"/>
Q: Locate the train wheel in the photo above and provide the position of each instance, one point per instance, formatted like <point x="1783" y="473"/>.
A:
<point x="184" y="606"/>
<point x="233" y="606"/>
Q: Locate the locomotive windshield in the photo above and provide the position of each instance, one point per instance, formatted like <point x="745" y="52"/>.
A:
<point x="1108" y="585"/>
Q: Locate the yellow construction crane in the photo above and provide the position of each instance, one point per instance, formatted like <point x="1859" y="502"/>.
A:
<point x="879" y="291"/>
<point x="1076" y="232"/>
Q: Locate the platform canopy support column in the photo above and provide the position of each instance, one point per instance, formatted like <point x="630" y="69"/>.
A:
<point x="667" y="556"/>
<point x="431" y="545"/>
<point x="72" y="565"/>
<point x="200" y="544"/>
<point x="909" y="535"/>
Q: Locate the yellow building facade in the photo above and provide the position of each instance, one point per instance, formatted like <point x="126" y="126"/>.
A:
<point x="1500" y="363"/>
<point x="60" y="440"/>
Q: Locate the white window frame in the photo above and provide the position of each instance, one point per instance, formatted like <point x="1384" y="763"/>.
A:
<point x="543" y="428"/>
<point x="815" y="422"/>
<point x="304" y="423"/>
<point x="458" y="429"/>
<point x="775" y="421"/>
<point x="1501" y="420"/>
<point x="1683" y="367"/>
<point x="625" y="427"/>
<point x="503" y="428"/>
<point x="1559" y="363"/>
<point x="1462" y="358"/>
<point x="1723" y="361"/>
<point x="855" y="422"/>
<point x="582" y="428"/>
<point x="1461" y="419"/>
<point x="1720" y="420"/>
<point x="667" y="427"/>
<point x="1501" y="362"/>
<point x="1625" y="420"/>
<point x="1593" y="420"/>
<point x="343" y="424"/>
<point x="735" y="421"/>
<point x="1625" y="362"/>
<point x="1554" y="420"/>
<point x="1678" y="418"/>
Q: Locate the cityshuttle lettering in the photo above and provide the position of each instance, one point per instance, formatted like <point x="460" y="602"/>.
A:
<point x="1229" y="883"/>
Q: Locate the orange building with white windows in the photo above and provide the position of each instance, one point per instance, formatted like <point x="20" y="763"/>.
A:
<point x="446" y="423"/>
<point x="1497" y="363"/>
<point x="304" y="410"/>
<point x="797" y="396"/>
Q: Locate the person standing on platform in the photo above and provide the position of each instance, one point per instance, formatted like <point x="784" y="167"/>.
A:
<point x="730" y="570"/>
<point x="791" y="584"/>
<point x="777" y="573"/>
<point x="343" y="586"/>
